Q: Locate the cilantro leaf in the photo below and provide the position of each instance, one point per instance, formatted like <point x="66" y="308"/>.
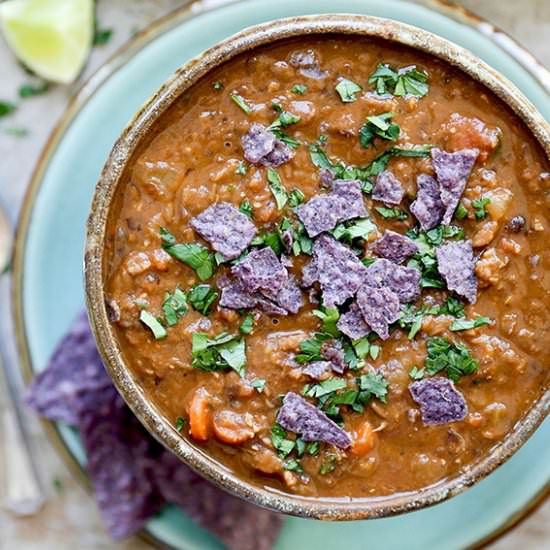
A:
<point x="324" y="388"/>
<point x="310" y="349"/>
<point x="30" y="90"/>
<point x="417" y="374"/>
<point x="460" y="212"/>
<point x="101" y="36"/>
<point x="247" y="325"/>
<point x="375" y="384"/>
<point x="284" y="119"/>
<point x="180" y="423"/>
<point x="381" y="126"/>
<point x="6" y="108"/>
<point x="246" y="208"/>
<point x="242" y="169"/>
<point x="241" y="103"/>
<point x="174" y="306"/>
<point x="454" y="358"/>
<point x="359" y="228"/>
<point x="299" y="89"/>
<point x="201" y="297"/>
<point x="408" y="81"/>
<point x="392" y="213"/>
<point x="479" y="207"/>
<point x="258" y="384"/>
<point x="154" y="324"/>
<point x="467" y="324"/>
<point x="329" y="317"/>
<point x="194" y="255"/>
<point x="277" y="188"/>
<point x="295" y="197"/>
<point x="293" y="465"/>
<point x="347" y="89"/>
<point x="218" y="85"/>
<point x="281" y="443"/>
<point x="329" y="464"/>
<point x="219" y="353"/>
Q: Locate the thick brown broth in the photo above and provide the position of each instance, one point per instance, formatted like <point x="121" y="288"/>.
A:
<point x="190" y="162"/>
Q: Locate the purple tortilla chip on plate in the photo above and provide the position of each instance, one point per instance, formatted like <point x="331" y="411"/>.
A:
<point x="269" y="307"/>
<point x="440" y="402"/>
<point x="257" y="143"/>
<point x="341" y="272"/>
<point x="388" y="189"/>
<point x="238" y="524"/>
<point x="288" y="297"/>
<point x="334" y="353"/>
<point x="452" y="171"/>
<point x="380" y="308"/>
<point x="119" y="464"/>
<point x="352" y="323"/>
<point x="319" y="214"/>
<point x="261" y="269"/>
<point x="455" y="263"/>
<point x="326" y="178"/>
<point x="427" y="208"/>
<point x="395" y="247"/>
<point x="228" y="230"/>
<point x="308" y="64"/>
<point x="280" y="154"/>
<point x="310" y="274"/>
<point x="403" y="281"/>
<point x="350" y="195"/>
<point x="317" y="369"/>
<point x="299" y="416"/>
<point x="74" y="375"/>
<point x="234" y="296"/>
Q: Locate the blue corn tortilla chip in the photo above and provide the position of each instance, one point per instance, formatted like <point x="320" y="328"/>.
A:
<point x="228" y="230"/>
<point x="333" y="352"/>
<point x="427" y="208"/>
<point x="74" y="375"/>
<point x="352" y="323"/>
<point x="323" y="212"/>
<point x="308" y="64"/>
<point x="299" y="416"/>
<point x="340" y="271"/>
<point x="310" y="274"/>
<point x="452" y="171"/>
<point x="395" y="247"/>
<point x="380" y="308"/>
<point x="234" y="296"/>
<point x="403" y="281"/>
<point x="440" y="402"/>
<point x="388" y="189"/>
<point x="261" y="270"/>
<point x="261" y="146"/>
<point x="317" y="369"/>
<point x="455" y="263"/>
<point x="288" y="297"/>
<point x="241" y="526"/>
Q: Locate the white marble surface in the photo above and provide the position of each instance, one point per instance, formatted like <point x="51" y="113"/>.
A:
<point x="70" y="519"/>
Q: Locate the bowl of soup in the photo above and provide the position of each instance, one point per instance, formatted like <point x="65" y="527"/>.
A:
<point x="316" y="266"/>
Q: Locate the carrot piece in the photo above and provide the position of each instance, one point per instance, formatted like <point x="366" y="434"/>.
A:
<point x="231" y="428"/>
<point x="199" y="415"/>
<point x="364" y="439"/>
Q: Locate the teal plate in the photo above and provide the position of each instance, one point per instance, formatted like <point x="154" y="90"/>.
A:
<point x="48" y="266"/>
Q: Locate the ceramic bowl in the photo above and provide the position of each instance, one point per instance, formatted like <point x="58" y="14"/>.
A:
<point x="111" y="177"/>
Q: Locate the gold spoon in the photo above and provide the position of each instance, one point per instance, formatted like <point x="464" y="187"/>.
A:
<point x="22" y="492"/>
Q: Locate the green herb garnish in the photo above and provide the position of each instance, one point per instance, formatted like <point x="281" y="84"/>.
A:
<point x="310" y="349"/>
<point x="201" y="297"/>
<point x="460" y="212"/>
<point x="417" y="374"/>
<point x="347" y="89"/>
<point x="101" y="36"/>
<point x="246" y="208"/>
<point x="375" y="384"/>
<point x="153" y="323"/>
<point x="180" y="423"/>
<point x="281" y="443"/>
<point x="221" y="352"/>
<point x="241" y="102"/>
<point x="329" y="317"/>
<point x="408" y="81"/>
<point x="381" y="126"/>
<point x="479" y="207"/>
<point x="293" y="465"/>
<point x="299" y="89"/>
<point x="174" y="306"/>
<point x="57" y="484"/>
<point x="392" y="213"/>
<point x="329" y="464"/>
<point x="247" y="325"/>
<point x="258" y="384"/>
<point x="295" y="197"/>
<point x="454" y="358"/>
<point x="17" y="132"/>
<point x="7" y="108"/>
<point x="242" y="169"/>
<point x="30" y="90"/>
<point x="356" y="229"/>
<point x="218" y="85"/>
<point x="277" y="188"/>
<point x="467" y="324"/>
<point x="194" y="255"/>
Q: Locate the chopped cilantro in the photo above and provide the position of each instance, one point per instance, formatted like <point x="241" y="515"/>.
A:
<point x="479" y="207"/>
<point x="299" y="89"/>
<point x="313" y="448"/>
<point x="154" y="324"/>
<point x="271" y="239"/>
<point x="281" y="443"/>
<point x="460" y="212"/>
<point x="329" y="464"/>
<point x="452" y="306"/>
<point x="6" y="108"/>
<point x="242" y="169"/>
<point x="258" y="384"/>
<point x="392" y="213"/>
<point x="310" y="349"/>
<point x="293" y="465"/>
<point x="247" y="325"/>
<point x="375" y="384"/>
<point x="17" y="131"/>
<point x="416" y="374"/>
<point x="57" y="484"/>
<point x="218" y="85"/>
<point x="174" y="306"/>
<point x="241" y="102"/>
<point x="324" y="388"/>
<point x="467" y="324"/>
<point x="284" y="119"/>
<point x="30" y="90"/>
<point x="445" y="355"/>
<point x="101" y="36"/>
<point x="301" y="242"/>
<point x="218" y="353"/>
<point x="194" y="255"/>
<point x="201" y="297"/>
<point x="381" y="126"/>
<point x="408" y="81"/>
<point x="295" y="197"/>
<point x="356" y="229"/>
<point x="180" y="423"/>
<point x="246" y="208"/>
<point x="329" y="317"/>
<point x="347" y="89"/>
<point x="277" y="188"/>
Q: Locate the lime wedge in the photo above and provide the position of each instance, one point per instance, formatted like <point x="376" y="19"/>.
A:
<point x="51" y="37"/>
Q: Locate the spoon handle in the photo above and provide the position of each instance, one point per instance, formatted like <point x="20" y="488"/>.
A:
<point x="22" y="490"/>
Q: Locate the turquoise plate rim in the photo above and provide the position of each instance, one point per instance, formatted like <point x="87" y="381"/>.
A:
<point x="62" y="437"/>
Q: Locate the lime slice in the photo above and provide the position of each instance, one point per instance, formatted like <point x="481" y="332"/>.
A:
<point x="51" y="37"/>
